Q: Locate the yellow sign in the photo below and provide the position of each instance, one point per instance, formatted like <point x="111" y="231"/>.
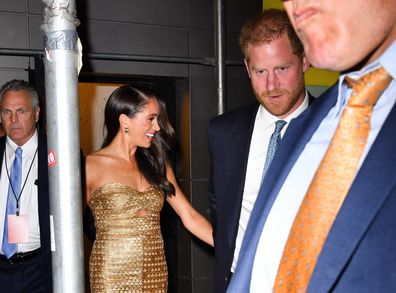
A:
<point x="315" y="76"/>
<point x="267" y="4"/>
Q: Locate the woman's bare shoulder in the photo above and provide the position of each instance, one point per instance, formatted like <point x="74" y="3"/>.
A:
<point x="99" y="157"/>
<point x="99" y="166"/>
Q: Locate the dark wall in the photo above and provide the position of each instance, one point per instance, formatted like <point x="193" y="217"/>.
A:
<point x="173" y="28"/>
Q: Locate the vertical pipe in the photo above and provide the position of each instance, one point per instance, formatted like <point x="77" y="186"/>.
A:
<point x="61" y="88"/>
<point x="220" y="55"/>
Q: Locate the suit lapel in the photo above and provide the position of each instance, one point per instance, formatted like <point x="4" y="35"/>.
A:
<point x="2" y="148"/>
<point x="362" y="203"/>
<point x="239" y="153"/>
<point x="311" y="99"/>
<point x="42" y="194"/>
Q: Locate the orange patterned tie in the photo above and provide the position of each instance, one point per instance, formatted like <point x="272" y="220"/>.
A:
<point x="330" y="185"/>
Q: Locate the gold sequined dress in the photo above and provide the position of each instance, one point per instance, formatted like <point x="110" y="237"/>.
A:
<point x="128" y="253"/>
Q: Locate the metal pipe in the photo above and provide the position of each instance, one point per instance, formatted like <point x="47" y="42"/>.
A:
<point x="21" y="52"/>
<point x="61" y="88"/>
<point x="206" y="61"/>
<point x="161" y="59"/>
<point x="220" y="55"/>
<point x="118" y="57"/>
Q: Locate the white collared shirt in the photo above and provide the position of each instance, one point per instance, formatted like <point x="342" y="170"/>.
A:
<point x="28" y="201"/>
<point x="264" y="126"/>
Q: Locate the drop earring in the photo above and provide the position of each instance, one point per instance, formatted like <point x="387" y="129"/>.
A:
<point x="126" y="130"/>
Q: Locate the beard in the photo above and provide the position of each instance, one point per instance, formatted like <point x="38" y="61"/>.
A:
<point x="285" y="102"/>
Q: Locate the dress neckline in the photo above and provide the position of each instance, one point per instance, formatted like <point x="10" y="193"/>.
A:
<point x="103" y="186"/>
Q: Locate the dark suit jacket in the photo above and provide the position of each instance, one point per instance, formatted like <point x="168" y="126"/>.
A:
<point x="359" y="253"/>
<point x="43" y="205"/>
<point x="229" y="138"/>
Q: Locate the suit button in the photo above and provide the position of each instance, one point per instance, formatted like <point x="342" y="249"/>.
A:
<point x="226" y="279"/>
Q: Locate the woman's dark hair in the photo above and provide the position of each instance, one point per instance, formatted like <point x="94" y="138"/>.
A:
<point x="130" y="100"/>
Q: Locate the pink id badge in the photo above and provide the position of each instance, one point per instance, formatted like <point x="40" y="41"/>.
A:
<point x="18" y="229"/>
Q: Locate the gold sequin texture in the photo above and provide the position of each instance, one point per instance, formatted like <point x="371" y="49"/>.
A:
<point x="128" y="253"/>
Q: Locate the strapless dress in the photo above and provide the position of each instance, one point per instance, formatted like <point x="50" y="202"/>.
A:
<point x="128" y="253"/>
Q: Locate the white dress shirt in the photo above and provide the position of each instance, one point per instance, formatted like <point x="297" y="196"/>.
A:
<point x="28" y="201"/>
<point x="264" y="126"/>
<point x="280" y="219"/>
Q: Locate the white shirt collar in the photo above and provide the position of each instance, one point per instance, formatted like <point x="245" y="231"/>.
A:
<point x="28" y="148"/>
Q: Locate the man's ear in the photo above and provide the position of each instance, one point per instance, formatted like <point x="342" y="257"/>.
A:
<point x="37" y="114"/>
<point x="305" y="64"/>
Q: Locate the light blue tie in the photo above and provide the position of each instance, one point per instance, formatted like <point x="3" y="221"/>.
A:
<point x="273" y="145"/>
<point x="9" y="249"/>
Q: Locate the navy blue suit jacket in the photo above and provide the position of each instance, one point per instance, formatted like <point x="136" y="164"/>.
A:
<point x="359" y="254"/>
<point x="43" y="206"/>
<point x="229" y="138"/>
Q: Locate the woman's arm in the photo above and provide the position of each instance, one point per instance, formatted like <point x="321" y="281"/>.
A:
<point x="191" y="218"/>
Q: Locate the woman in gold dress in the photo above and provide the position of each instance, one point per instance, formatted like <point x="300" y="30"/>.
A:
<point x="127" y="182"/>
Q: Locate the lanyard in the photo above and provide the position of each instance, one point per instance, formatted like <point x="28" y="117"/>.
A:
<point x="17" y="198"/>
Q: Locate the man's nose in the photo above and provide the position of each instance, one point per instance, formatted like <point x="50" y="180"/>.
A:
<point x="272" y="82"/>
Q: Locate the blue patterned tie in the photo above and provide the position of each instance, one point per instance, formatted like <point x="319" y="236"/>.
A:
<point x="13" y="192"/>
<point x="273" y="145"/>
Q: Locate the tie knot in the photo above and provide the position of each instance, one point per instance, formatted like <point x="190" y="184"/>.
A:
<point x="279" y="125"/>
<point x="18" y="151"/>
<point x="368" y="88"/>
